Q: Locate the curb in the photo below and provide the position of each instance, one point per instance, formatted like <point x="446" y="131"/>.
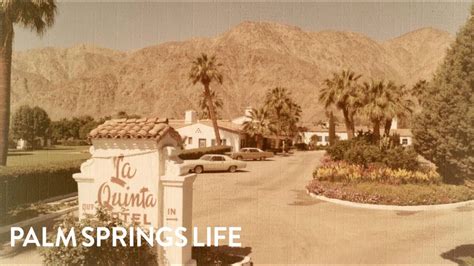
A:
<point x="25" y="223"/>
<point x="392" y="207"/>
<point x="7" y="250"/>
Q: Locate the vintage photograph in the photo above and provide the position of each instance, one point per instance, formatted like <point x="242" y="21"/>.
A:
<point x="236" y="132"/>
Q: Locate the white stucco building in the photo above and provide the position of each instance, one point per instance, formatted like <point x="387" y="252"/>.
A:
<point x="322" y="133"/>
<point x="200" y="133"/>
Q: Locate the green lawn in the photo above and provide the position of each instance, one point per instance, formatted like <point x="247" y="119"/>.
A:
<point x="52" y="155"/>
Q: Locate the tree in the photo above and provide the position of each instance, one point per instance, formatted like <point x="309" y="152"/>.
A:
<point x="259" y="125"/>
<point x="384" y="101"/>
<point x="343" y="92"/>
<point x="443" y="130"/>
<point x="283" y="111"/>
<point x="30" y="123"/>
<point x="332" y="129"/>
<point x="403" y="105"/>
<point x="37" y="15"/>
<point x="204" y="114"/>
<point x="419" y="90"/>
<point x="205" y="70"/>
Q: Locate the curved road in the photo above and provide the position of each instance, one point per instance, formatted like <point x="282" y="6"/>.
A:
<point x="282" y="225"/>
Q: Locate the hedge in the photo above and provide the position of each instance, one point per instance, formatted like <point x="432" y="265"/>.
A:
<point x="24" y="185"/>
<point x="193" y="154"/>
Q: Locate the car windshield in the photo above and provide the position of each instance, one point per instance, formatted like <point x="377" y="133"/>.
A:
<point x="206" y="158"/>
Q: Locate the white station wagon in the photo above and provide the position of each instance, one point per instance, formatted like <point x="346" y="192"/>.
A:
<point x="214" y="162"/>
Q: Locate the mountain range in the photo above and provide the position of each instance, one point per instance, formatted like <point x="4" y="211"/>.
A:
<point x="256" y="56"/>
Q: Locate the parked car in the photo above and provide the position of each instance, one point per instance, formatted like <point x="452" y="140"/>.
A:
<point x="251" y="154"/>
<point x="214" y="162"/>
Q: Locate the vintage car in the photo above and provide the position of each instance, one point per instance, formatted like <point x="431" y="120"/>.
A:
<point x="214" y="162"/>
<point x="251" y="154"/>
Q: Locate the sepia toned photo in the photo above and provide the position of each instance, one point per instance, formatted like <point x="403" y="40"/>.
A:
<point x="236" y="132"/>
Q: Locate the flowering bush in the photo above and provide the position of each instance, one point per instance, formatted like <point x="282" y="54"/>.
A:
<point x="106" y="254"/>
<point x="340" y="171"/>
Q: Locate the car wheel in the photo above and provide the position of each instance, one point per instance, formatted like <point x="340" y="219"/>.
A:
<point x="198" y="169"/>
<point x="262" y="159"/>
<point x="239" y="158"/>
<point x="233" y="168"/>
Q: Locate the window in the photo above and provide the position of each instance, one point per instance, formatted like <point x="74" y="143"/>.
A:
<point x="218" y="158"/>
<point x="404" y="141"/>
<point x="202" y="143"/>
<point x="206" y="158"/>
<point x="253" y="150"/>
<point x="190" y="140"/>
<point x="320" y="138"/>
<point x="326" y="138"/>
<point x="224" y="142"/>
<point x="213" y="142"/>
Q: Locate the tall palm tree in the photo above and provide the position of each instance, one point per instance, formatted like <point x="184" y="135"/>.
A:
<point x="38" y="15"/>
<point x="404" y="106"/>
<point x="204" y="114"/>
<point x="284" y="112"/>
<point x="205" y="70"/>
<point x="343" y="92"/>
<point x="383" y="102"/>
<point x="259" y="125"/>
<point x="378" y="103"/>
<point x="291" y="118"/>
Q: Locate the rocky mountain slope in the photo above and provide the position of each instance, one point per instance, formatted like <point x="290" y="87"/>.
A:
<point x="153" y="81"/>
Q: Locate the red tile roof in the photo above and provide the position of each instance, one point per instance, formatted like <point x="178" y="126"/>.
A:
<point x="142" y="128"/>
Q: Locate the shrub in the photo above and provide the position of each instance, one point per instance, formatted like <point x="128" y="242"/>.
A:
<point x="106" y="254"/>
<point x="362" y="154"/>
<point x="338" y="150"/>
<point x="361" y="151"/>
<point x="193" y="154"/>
<point x="301" y="146"/>
<point x="11" y="142"/>
<point x="401" y="158"/>
<point x="75" y="142"/>
<point x="22" y="185"/>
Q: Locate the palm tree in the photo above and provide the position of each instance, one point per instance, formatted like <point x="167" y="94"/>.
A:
<point x="378" y="103"/>
<point x="259" y="125"/>
<point x="284" y="112"/>
<point x="204" y="114"/>
<point x="291" y="118"/>
<point x="38" y="15"/>
<point x="343" y="92"/>
<point x="383" y="102"/>
<point x="403" y="106"/>
<point x="206" y="70"/>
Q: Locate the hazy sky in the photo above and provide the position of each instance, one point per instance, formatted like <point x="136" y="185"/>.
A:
<point x="132" y="25"/>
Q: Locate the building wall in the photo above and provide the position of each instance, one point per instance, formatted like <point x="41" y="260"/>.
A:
<point x="200" y="131"/>
<point x="406" y="140"/>
<point x="324" y="137"/>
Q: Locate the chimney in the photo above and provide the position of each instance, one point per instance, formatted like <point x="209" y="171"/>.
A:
<point x="394" y="123"/>
<point x="190" y="117"/>
<point x="248" y="111"/>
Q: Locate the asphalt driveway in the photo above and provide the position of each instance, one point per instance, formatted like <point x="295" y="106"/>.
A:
<point x="282" y="225"/>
